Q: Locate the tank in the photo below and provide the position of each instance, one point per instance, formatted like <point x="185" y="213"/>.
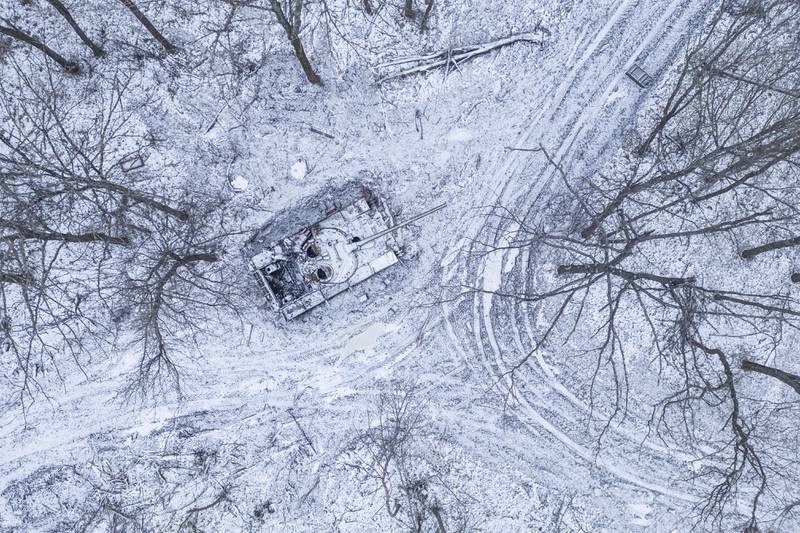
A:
<point x="311" y="265"/>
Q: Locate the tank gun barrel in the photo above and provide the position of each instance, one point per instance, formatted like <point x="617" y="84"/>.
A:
<point x="400" y="225"/>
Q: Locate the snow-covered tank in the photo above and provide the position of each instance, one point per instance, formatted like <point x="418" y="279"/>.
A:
<point x="308" y="267"/>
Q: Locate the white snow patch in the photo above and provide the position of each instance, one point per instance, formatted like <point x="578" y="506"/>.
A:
<point x="619" y="93"/>
<point x="640" y="512"/>
<point x="238" y="183"/>
<point x="452" y="253"/>
<point x="299" y="170"/>
<point x="367" y="340"/>
<point x="461" y="135"/>
<point x="494" y="266"/>
<point x="511" y="260"/>
<point x="150" y="420"/>
<point x="493" y="271"/>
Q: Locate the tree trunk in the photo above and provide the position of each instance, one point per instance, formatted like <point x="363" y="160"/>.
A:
<point x="769" y="247"/>
<point x="300" y="52"/>
<point x="423" y="25"/>
<point x="437" y="513"/>
<point x="18" y="279"/>
<point x="66" y="64"/>
<point x="96" y="50"/>
<point x="293" y="33"/>
<point x="790" y="379"/>
<point x="136" y="196"/>
<point x="408" y="9"/>
<point x="22" y="232"/>
<point x="168" y="46"/>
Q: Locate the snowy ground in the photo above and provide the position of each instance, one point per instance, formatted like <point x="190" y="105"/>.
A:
<point x="519" y="458"/>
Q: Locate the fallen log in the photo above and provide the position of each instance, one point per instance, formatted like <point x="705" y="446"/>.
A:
<point x="454" y="56"/>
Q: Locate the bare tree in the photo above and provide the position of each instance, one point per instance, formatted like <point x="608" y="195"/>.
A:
<point x="64" y="12"/>
<point x="396" y="455"/>
<point x="792" y="380"/>
<point x="770" y="247"/>
<point x="87" y="244"/>
<point x="179" y="280"/>
<point x="15" y="33"/>
<point x="291" y="20"/>
<point x="141" y="17"/>
<point x="639" y="260"/>
<point x="683" y="137"/>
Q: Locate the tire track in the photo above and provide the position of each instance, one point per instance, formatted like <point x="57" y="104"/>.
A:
<point x="504" y="192"/>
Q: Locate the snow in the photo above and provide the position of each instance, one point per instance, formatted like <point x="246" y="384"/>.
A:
<point x="461" y="135"/>
<point x="515" y="456"/>
<point x="367" y="340"/>
<point x="493" y="271"/>
<point x="299" y="169"/>
<point x="239" y="183"/>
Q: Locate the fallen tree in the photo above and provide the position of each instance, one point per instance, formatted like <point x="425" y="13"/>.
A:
<point x="453" y="57"/>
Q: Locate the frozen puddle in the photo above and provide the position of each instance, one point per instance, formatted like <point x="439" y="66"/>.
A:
<point x="367" y="340"/>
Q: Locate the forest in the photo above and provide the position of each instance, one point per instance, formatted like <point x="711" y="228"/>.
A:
<point x="598" y="332"/>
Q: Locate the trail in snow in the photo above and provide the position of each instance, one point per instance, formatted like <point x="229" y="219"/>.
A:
<point x="506" y="189"/>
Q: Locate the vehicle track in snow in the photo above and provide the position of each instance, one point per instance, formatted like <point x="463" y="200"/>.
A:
<point x="559" y="408"/>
